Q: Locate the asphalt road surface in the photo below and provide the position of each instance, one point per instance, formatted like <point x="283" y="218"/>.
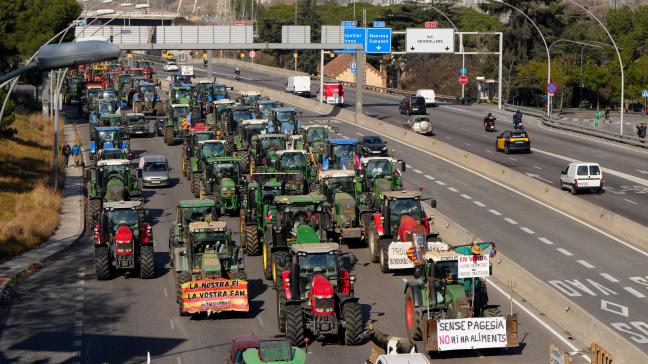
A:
<point x="63" y="314"/>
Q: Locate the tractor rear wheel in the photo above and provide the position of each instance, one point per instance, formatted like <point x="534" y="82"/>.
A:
<point x="372" y="235"/>
<point x="267" y="261"/>
<point x="158" y="109"/>
<point x="169" y="138"/>
<point x="281" y="313"/>
<point x="147" y="262"/>
<point x="137" y="107"/>
<point x="353" y="326"/>
<point x="413" y="318"/>
<point x="94" y="205"/>
<point x="102" y="263"/>
<point x="251" y="241"/>
<point x="492" y="312"/>
<point x="195" y="184"/>
<point x="384" y="256"/>
<point x="181" y="278"/>
<point x="278" y="264"/>
<point x="294" y="324"/>
<point x="245" y="161"/>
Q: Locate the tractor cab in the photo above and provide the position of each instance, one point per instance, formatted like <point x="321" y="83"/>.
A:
<point x="264" y="108"/>
<point x="301" y="218"/>
<point x="264" y="150"/>
<point x="378" y="175"/>
<point x="122" y="213"/>
<point x="210" y="252"/>
<point x="114" y="180"/>
<point x="180" y="95"/>
<point x="102" y="107"/>
<point x="108" y="137"/>
<point x="315" y="259"/>
<point x="231" y="118"/>
<point x="111" y="153"/>
<point x="398" y="204"/>
<point x="248" y="129"/>
<point x="343" y="192"/>
<point x="221" y="180"/>
<point x="110" y="120"/>
<point x="285" y="121"/>
<point x="211" y="148"/>
<point x="340" y="154"/>
<point x="248" y="98"/>
<point x="188" y="211"/>
<point x="109" y="94"/>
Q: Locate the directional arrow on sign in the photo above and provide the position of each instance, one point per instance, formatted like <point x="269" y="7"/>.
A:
<point x="412" y="48"/>
<point x="447" y="48"/>
<point x="378" y="47"/>
<point x="538" y="177"/>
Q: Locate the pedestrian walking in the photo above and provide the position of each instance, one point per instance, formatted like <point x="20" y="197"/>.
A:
<point x="76" y="154"/>
<point x="66" y="150"/>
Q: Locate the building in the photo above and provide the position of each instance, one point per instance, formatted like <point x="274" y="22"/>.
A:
<point x="339" y="68"/>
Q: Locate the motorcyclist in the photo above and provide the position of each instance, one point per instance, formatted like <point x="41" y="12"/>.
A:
<point x="517" y="118"/>
<point x="489" y="119"/>
<point x="205" y="62"/>
<point x="237" y="73"/>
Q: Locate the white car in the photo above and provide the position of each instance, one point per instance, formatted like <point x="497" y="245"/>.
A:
<point x="428" y="95"/>
<point x="419" y="124"/>
<point x="582" y="176"/>
<point x="170" y="67"/>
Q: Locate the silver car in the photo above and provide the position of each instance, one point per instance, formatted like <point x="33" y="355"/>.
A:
<point x="419" y="124"/>
<point x="154" y="171"/>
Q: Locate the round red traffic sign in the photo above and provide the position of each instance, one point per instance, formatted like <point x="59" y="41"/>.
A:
<point x="252" y="54"/>
<point x="463" y="80"/>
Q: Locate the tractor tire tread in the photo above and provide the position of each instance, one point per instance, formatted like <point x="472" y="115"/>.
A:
<point x="147" y="262"/>
<point x="294" y="325"/>
<point x="102" y="263"/>
<point x="353" y="323"/>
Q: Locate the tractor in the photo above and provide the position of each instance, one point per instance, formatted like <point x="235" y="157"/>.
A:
<point x="315" y="296"/>
<point x="215" y="113"/>
<point x="109" y="137"/>
<point x="249" y="98"/>
<point x="123" y="240"/>
<point x="111" y="120"/>
<point x="446" y="292"/>
<point x="340" y="154"/>
<point x="145" y="99"/>
<point x="110" y="153"/>
<point x="201" y="153"/>
<point x="285" y="121"/>
<point x="264" y="108"/>
<point x="221" y="182"/>
<point x="191" y="141"/>
<point x="300" y="219"/>
<point x="124" y="87"/>
<point x="316" y="139"/>
<point x="111" y="180"/>
<point x="147" y="68"/>
<point x="188" y="211"/>
<point x="89" y="98"/>
<point x="294" y="162"/>
<point x="177" y="123"/>
<point x="72" y="89"/>
<point x="101" y="107"/>
<point x="137" y="125"/>
<point x="230" y="118"/>
<point x="247" y="129"/>
<point x="342" y="190"/>
<point x="263" y="151"/>
<point x="273" y="351"/>
<point x="399" y="212"/>
<point x="378" y="175"/>
<point x="180" y="95"/>
<point x="209" y="257"/>
<point x="206" y="92"/>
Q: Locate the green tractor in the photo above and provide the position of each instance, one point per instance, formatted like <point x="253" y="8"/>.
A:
<point x="209" y="256"/>
<point x="110" y="180"/>
<point x="296" y="161"/>
<point x="316" y="140"/>
<point x="124" y="86"/>
<point x="342" y="190"/>
<point x="191" y="141"/>
<point x="247" y="129"/>
<point x="221" y="182"/>
<point x="72" y="89"/>
<point x="263" y="151"/>
<point x="188" y="211"/>
<point x="264" y="108"/>
<point x="446" y="291"/>
<point x="379" y="175"/>
<point x="215" y="112"/>
<point x="180" y="95"/>
<point x="299" y="219"/>
<point x="201" y="154"/>
<point x="177" y="123"/>
<point x="230" y="118"/>
<point x="145" y="99"/>
<point x="249" y="98"/>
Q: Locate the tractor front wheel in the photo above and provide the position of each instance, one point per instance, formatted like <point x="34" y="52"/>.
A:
<point x="102" y="263"/>
<point x="169" y="136"/>
<point x="195" y="184"/>
<point x="181" y="278"/>
<point x="294" y="324"/>
<point x="281" y="313"/>
<point x="413" y="318"/>
<point x="137" y="107"/>
<point x="353" y="326"/>
<point x="147" y="262"/>
<point x="278" y="264"/>
<point x="267" y="262"/>
<point x="245" y="161"/>
<point x="384" y="256"/>
<point x="94" y="205"/>
<point x="251" y="240"/>
<point x="371" y="233"/>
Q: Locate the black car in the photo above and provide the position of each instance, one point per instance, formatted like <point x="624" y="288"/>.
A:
<point x="412" y="105"/>
<point x="372" y="145"/>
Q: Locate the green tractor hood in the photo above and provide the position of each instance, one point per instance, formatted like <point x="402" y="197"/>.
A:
<point x="306" y="235"/>
<point x="345" y="209"/>
<point x="227" y="183"/>
<point x="115" y="190"/>
<point x="211" y="265"/>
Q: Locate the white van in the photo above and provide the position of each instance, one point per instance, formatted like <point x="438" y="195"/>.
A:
<point x="581" y="176"/>
<point x="299" y="85"/>
<point x="428" y="95"/>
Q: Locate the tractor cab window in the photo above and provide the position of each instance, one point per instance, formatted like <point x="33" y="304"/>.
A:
<point x="144" y="64"/>
<point x="250" y="100"/>
<point x="378" y="168"/>
<point x="219" y="90"/>
<point x="210" y="243"/>
<point x="269" y="194"/>
<point x="115" y="170"/>
<point x="201" y="137"/>
<point x="213" y="150"/>
<point x="128" y="217"/>
<point x="182" y="111"/>
<point x="110" y="121"/>
<point x="94" y="92"/>
<point x="273" y="143"/>
<point x="106" y="108"/>
<point x="155" y="167"/>
<point x="148" y="89"/>
<point x="112" y="154"/>
<point x="343" y="150"/>
<point x="196" y="214"/>
<point x="296" y="215"/>
<point x="322" y="263"/>
<point x="132" y="120"/>
<point x="226" y="170"/>
<point x="446" y="273"/>
<point x="240" y="115"/>
<point x="251" y="130"/>
<point x="275" y="351"/>
<point x="316" y="135"/>
<point x="265" y="108"/>
<point x="108" y="135"/>
<point x="182" y="94"/>
<point x="404" y="206"/>
<point x="338" y="184"/>
<point x="285" y="117"/>
<point x="138" y="73"/>
<point x="109" y="94"/>
<point x="292" y="161"/>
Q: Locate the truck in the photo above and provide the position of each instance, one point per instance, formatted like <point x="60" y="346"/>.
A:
<point x="299" y="85"/>
<point x="333" y="93"/>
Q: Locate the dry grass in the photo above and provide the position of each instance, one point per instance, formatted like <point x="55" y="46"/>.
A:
<point x="29" y="206"/>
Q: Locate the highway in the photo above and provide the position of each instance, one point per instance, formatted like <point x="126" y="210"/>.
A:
<point x="121" y="320"/>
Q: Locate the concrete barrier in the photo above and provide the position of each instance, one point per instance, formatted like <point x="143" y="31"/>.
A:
<point x="258" y="67"/>
<point x="607" y="222"/>
<point x="560" y="309"/>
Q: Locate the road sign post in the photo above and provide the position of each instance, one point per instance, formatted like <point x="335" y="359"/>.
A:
<point x="429" y="40"/>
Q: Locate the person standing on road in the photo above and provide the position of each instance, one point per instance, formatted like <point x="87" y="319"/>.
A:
<point x="66" y="150"/>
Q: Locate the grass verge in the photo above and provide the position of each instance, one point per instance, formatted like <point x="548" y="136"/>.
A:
<point x="29" y="205"/>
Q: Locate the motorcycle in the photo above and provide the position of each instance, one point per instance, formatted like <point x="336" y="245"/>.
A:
<point x="518" y="125"/>
<point x="237" y="75"/>
<point x="489" y="124"/>
<point x="205" y="63"/>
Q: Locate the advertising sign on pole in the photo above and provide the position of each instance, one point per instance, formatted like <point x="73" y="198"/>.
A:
<point x="475" y="266"/>
<point x="471" y="333"/>
<point x="428" y="40"/>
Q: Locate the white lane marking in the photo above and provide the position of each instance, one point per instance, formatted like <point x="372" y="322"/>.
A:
<point x="634" y="292"/>
<point x="466" y="196"/>
<point x="632" y="202"/>
<point x="172" y="325"/>
<point x="448" y="138"/>
<point x="585" y="264"/>
<point x="546" y="241"/>
<point x="536" y="167"/>
<point x="179" y="360"/>
<point x="641" y="171"/>
<point x="513" y="159"/>
<point x="408" y="165"/>
<point x="609" y="278"/>
<point x="429" y="177"/>
<point x="453" y="189"/>
<point x="166" y="293"/>
<point x="359" y="134"/>
<point x="441" y="183"/>
<point x="495" y="212"/>
<point x="260" y="321"/>
<point x="565" y="251"/>
<point x="538" y="177"/>
<point x="510" y="221"/>
<point x="527" y="230"/>
<point x="480" y="204"/>
<point x="489" y="151"/>
<point x="542" y="323"/>
<point x="502" y="185"/>
<point x="418" y="171"/>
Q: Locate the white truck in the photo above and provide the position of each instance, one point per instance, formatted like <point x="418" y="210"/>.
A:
<point x="299" y="85"/>
<point x="428" y="95"/>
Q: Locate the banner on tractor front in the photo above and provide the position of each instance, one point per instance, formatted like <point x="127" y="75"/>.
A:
<point x="215" y="295"/>
<point x="471" y="333"/>
<point x="401" y="255"/>
<point x="473" y="266"/>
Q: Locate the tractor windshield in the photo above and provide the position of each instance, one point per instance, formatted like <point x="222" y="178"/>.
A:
<point x="106" y="108"/>
<point x="251" y="130"/>
<point x="292" y="162"/>
<point x="213" y="242"/>
<point x="108" y="135"/>
<point x="181" y="111"/>
<point x="114" y="170"/>
<point x="135" y="120"/>
<point x="138" y="73"/>
<point x="201" y="137"/>
<point x="94" y="92"/>
<point x="147" y="89"/>
<point x="275" y="351"/>
<point x="316" y="135"/>
<point x="339" y="185"/>
<point x="250" y="99"/>
<point x="129" y="217"/>
<point x="109" y="94"/>
<point x="213" y="150"/>
<point x="270" y="193"/>
<point x="240" y="115"/>
<point x="318" y="262"/>
<point x="195" y="214"/>
<point x="144" y="64"/>
<point x="285" y="116"/>
<point x="226" y="170"/>
<point x="265" y="108"/>
<point x="111" y="121"/>
<point x="220" y="90"/>
<point x="404" y="206"/>
<point x="112" y="154"/>
<point x="446" y="273"/>
<point x="378" y="168"/>
<point x="182" y="94"/>
<point x="297" y="215"/>
<point x="343" y="150"/>
<point x="275" y="143"/>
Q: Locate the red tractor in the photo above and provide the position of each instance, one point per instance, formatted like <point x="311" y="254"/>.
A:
<point x="123" y="240"/>
<point x="315" y="296"/>
<point x="401" y="214"/>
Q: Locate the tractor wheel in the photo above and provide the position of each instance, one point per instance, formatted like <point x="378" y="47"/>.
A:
<point x="281" y="313"/>
<point x="365" y="221"/>
<point x="245" y="161"/>
<point x="267" y="261"/>
<point x="252" y="241"/>
<point x="371" y="233"/>
<point x="94" y="206"/>
<point x="137" y="107"/>
<point x="492" y="312"/>
<point x="278" y="264"/>
<point x="353" y="326"/>
<point x="413" y="319"/>
<point x="384" y="256"/>
<point x="181" y="278"/>
<point x="158" y="109"/>
<point x="169" y="138"/>
<point x="147" y="262"/>
<point x="102" y="263"/>
<point x="195" y="185"/>
<point x="294" y="324"/>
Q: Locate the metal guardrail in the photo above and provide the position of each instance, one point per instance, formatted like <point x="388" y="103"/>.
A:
<point x="565" y="125"/>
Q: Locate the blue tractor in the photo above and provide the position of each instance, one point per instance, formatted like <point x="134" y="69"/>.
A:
<point x="285" y="121"/>
<point x="340" y="154"/>
<point x="109" y="138"/>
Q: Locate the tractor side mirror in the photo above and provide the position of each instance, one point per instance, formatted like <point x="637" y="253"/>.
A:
<point x="433" y="203"/>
